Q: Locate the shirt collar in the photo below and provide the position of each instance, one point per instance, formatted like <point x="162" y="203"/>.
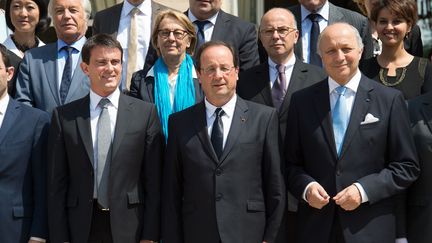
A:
<point x="95" y="99"/>
<point x="4" y="104"/>
<point x="351" y="85"/>
<point x="144" y="7"/>
<point x="323" y="11"/>
<point x="212" y="19"/>
<point x="228" y="108"/>
<point x="288" y="65"/>
<point x="77" y="45"/>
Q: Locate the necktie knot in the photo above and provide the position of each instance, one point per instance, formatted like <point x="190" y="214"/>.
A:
<point x="219" y="112"/>
<point x="314" y="17"/>
<point x="134" y="11"/>
<point x="280" y="68"/>
<point x="68" y="49"/>
<point x="103" y="103"/>
<point x="341" y="90"/>
<point x="201" y="24"/>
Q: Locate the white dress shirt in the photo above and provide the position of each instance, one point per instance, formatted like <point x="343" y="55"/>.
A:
<point x="208" y="28"/>
<point x="3" y="107"/>
<point x="274" y="73"/>
<point x="95" y="111"/>
<point x="350" y="95"/>
<point x="62" y="57"/>
<point x="306" y="27"/>
<point x="227" y="116"/>
<point x="143" y="20"/>
<point x="10" y="45"/>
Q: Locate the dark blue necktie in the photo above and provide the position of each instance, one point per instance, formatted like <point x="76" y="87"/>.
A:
<point x="217" y="132"/>
<point x="67" y="74"/>
<point x="315" y="59"/>
<point x="200" y="34"/>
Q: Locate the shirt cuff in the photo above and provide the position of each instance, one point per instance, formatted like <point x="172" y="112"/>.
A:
<point x="306" y="189"/>
<point x="38" y="239"/>
<point x="364" y="197"/>
<point x="401" y="240"/>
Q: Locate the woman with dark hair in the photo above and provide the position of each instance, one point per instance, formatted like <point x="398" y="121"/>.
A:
<point x="395" y="67"/>
<point x="171" y="84"/>
<point x="26" y="18"/>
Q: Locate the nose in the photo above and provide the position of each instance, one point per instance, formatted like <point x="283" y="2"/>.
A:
<point x="339" y="56"/>
<point x="23" y="11"/>
<point x="66" y="14"/>
<point x="171" y="36"/>
<point x="275" y="35"/>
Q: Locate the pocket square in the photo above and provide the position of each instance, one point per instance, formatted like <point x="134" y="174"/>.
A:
<point x="369" y="118"/>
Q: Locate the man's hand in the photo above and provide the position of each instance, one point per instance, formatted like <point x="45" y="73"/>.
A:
<point x="316" y="196"/>
<point x="34" y="241"/>
<point x="349" y="198"/>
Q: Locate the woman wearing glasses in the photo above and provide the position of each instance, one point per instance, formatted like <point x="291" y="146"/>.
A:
<point x="171" y="84"/>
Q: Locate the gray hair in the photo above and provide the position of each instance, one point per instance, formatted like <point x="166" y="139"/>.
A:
<point x="84" y="3"/>
<point x="352" y="28"/>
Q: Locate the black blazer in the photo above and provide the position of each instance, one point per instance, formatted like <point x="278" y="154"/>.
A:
<point x="338" y="14"/>
<point x="237" y="198"/>
<point x="254" y="85"/>
<point x="379" y="155"/>
<point x="142" y="87"/>
<point x="419" y="211"/>
<point x="134" y="175"/>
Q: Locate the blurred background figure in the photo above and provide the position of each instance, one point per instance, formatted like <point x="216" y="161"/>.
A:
<point x="395" y="67"/>
<point x="171" y="83"/>
<point x="4" y="30"/>
<point x="413" y="42"/>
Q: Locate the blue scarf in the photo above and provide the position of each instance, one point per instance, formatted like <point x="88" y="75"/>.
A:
<point x="184" y="94"/>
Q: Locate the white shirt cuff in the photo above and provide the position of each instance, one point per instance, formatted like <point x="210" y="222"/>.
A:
<point x="38" y="239"/>
<point x="306" y="189"/>
<point x="364" y="197"/>
<point x="401" y="240"/>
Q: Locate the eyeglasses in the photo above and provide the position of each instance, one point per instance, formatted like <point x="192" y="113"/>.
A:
<point x="178" y="34"/>
<point x="282" y="32"/>
<point x="210" y="71"/>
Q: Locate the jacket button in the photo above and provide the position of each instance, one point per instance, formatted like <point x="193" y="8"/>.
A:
<point x="219" y="197"/>
<point x="218" y="172"/>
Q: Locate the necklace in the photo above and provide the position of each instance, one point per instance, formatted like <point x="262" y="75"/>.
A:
<point x="24" y="47"/>
<point x="383" y="78"/>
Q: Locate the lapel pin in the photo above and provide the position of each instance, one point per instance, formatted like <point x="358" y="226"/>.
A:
<point x="243" y="119"/>
<point x="367" y="99"/>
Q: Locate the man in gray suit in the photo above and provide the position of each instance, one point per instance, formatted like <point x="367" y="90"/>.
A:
<point x="50" y="76"/>
<point x="326" y="13"/>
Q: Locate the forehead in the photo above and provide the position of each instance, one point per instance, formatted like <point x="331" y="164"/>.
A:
<point x="337" y="35"/>
<point x="104" y="52"/>
<point x="66" y="3"/>
<point x="277" y="17"/>
<point x="169" y="21"/>
<point x="217" y="54"/>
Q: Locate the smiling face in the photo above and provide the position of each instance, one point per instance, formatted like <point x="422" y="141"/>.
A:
<point x="391" y="29"/>
<point x="171" y="46"/>
<point x="204" y="9"/>
<point x="218" y="76"/>
<point x="69" y="20"/>
<point x="24" y="15"/>
<point x="279" y="48"/>
<point x="340" y="52"/>
<point x="104" y="69"/>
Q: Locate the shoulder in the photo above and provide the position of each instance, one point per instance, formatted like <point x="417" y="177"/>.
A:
<point x="48" y="50"/>
<point x="309" y="68"/>
<point x="251" y="72"/>
<point x="109" y="11"/>
<point x="31" y="113"/>
<point x="236" y="21"/>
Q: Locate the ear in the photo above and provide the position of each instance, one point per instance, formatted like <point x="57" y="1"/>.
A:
<point x="84" y="68"/>
<point x="10" y="72"/>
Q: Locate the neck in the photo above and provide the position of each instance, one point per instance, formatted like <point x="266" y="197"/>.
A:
<point x="173" y="64"/>
<point x="282" y="59"/>
<point x="25" y="38"/>
<point x="393" y="53"/>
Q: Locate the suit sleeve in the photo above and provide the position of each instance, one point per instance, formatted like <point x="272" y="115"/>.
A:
<point x="39" y="226"/>
<point x="135" y="85"/>
<point x="172" y="190"/>
<point x="273" y="180"/>
<point x="24" y="90"/>
<point x="57" y="184"/>
<point x="403" y="167"/>
<point x="154" y="147"/>
<point x="248" y="49"/>
<point x="96" y="24"/>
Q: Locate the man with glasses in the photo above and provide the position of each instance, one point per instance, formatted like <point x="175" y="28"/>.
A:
<point x="222" y="174"/>
<point x="272" y="83"/>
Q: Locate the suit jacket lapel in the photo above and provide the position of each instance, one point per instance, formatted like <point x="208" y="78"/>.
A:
<point x="12" y="113"/>
<point x="200" y="123"/>
<point x="83" y="124"/>
<point x="261" y="81"/>
<point x="334" y="14"/>
<point x="323" y="112"/>
<point x="239" y="119"/>
<point x="76" y="83"/>
<point x="220" y="28"/>
<point x="113" y="23"/>
<point x="297" y="78"/>
<point x="50" y="66"/>
<point x="123" y="116"/>
<point x="358" y="112"/>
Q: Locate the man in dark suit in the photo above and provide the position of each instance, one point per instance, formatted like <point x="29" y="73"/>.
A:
<point x="222" y="175"/>
<point x="327" y="14"/>
<point x="349" y="149"/>
<point x="105" y="158"/>
<point x="49" y="76"/>
<point x="23" y="133"/>
<point x="264" y="83"/>
<point x="212" y="23"/>
<point x="117" y="21"/>
<point x="419" y="210"/>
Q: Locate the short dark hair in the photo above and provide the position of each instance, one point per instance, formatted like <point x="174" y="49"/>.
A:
<point x="406" y="9"/>
<point x="44" y="20"/>
<point x="99" y="40"/>
<point x="5" y="56"/>
<point x="211" y="44"/>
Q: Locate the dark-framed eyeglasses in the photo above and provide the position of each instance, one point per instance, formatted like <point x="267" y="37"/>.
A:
<point x="282" y="31"/>
<point x="178" y="33"/>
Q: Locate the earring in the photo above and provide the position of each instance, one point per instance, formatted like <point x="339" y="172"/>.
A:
<point x="407" y="35"/>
